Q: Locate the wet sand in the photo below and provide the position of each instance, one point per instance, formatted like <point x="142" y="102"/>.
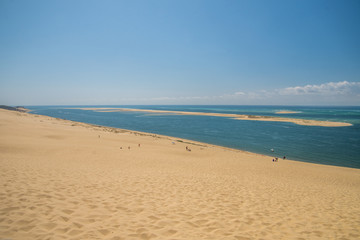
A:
<point x="67" y="180"/>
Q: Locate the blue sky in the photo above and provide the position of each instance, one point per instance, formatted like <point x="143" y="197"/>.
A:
<point x="180" y="52"/>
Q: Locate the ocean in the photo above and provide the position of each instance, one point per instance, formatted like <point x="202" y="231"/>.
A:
<point x="338" y="146"/>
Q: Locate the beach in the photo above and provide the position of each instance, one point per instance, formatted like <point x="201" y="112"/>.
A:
<point x="69" y="180"/>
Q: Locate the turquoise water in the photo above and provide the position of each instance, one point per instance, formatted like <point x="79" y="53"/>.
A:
<point x="324" y="145"/>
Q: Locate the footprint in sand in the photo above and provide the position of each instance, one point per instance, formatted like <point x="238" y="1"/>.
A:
<point x="27" y="228"/>
<point x="62" y="230"/>
<point x="143" y="236"/>
<point x="74" y="232"/>
<point x="147" y="236"/>
<point x="87" y="220"/>
<point x="78" y="225"/>
<point x="48" y="226"/>
<point x="169" y="232"/>
<point x="9" y="209"/>
<point x="153" y="218"/>
<point x="241" y="238"/>
<point x="68" y="211"/>
<point x="104" y="231"/>
<point x="200" y="222"/>
<point x="24" y="222"/>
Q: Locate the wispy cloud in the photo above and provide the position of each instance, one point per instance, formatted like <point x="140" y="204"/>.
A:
<point x="341" y="93"/>
<point x="331" y="88"/>
<point x="334" y="93"/>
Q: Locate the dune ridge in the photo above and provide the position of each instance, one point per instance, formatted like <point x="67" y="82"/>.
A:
<point x="67" y="180"/>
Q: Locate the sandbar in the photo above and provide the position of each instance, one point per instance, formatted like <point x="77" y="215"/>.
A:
<point x="286" y="112"/>
<point x="298" y="121"/>
<point x="68" y="180"/>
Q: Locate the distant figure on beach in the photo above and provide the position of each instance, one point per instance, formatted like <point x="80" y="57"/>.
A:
<point x="129" y="147"/>
<point x="120" y="147"/>
<point x="272" y="150"/>
<point x="186" y="148"/>
<point x="276" y="159"/>
<point x="284" y="157"/>
<point x="273" y="160"/>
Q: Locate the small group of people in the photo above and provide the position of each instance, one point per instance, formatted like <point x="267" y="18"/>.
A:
<point x="130" y="147"/>
<point x="277" y="159"/>
<point x="188" y="149"/>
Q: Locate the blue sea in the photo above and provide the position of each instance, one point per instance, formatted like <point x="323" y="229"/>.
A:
<point x="338" y="146"/>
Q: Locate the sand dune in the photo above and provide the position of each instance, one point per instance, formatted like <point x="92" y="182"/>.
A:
<point x="298" y="121"/>
<point x="66" y="180"/>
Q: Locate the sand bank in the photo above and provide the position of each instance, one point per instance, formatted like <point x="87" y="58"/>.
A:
<point x="235" y="116"/>
<point x="286" y="112"/>
<point x="67" y="180"/>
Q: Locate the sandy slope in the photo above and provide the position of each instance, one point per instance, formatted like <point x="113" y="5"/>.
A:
<point x="60" y="180"/>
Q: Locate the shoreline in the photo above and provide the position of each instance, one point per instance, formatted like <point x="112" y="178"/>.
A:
<point x="116" y="130"/>
<point x="178" y="139"/>
<point x="70" y="180"/>
<point x="304" y="122"/>
<point x="160" y="136"/>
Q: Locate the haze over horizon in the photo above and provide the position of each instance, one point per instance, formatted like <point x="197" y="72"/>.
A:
<point x="180" y="52"/>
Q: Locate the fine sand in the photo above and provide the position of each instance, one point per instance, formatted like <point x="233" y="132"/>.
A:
<point x="66" y="180"/>
<point x="235" y="116"/>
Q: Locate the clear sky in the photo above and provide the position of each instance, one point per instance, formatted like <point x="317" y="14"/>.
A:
<point x="297" y="52"/>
